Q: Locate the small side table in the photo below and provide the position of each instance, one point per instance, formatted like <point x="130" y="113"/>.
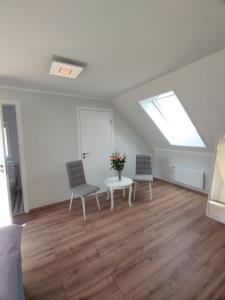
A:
<point x="113" y="183"/>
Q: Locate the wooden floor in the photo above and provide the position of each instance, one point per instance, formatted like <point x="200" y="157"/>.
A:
<point x="165" y="249"/>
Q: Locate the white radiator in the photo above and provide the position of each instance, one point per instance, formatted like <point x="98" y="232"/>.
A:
<point x="189" y="177"/>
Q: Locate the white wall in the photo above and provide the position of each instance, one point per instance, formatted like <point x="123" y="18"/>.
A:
<point x="201" y="89"/>
<point x="165" y="159"/>
<point x="128" y="141"/>
<point x="50" y="140"/>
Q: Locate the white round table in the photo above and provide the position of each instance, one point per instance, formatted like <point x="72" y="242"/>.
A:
<point x="113" y="183"/>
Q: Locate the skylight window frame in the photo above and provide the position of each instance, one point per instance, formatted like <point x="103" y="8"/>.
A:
<point x="163" y="95"/>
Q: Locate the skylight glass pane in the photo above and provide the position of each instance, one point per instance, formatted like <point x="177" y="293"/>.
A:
<point x="168" y="114"/>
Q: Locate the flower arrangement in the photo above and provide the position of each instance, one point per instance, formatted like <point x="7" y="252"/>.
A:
<point x="118" y="162"/>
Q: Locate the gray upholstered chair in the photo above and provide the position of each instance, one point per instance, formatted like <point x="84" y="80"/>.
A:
<point x="78" y="184"/>
<point x="143" y="172"/>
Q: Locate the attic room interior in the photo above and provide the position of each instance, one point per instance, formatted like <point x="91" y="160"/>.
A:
<point x="112" y="150"/>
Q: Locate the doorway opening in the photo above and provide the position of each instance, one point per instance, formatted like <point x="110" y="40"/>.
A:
<point x="12" y="158"/>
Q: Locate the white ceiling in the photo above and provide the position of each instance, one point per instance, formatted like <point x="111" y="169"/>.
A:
<point x="124" y="42"/>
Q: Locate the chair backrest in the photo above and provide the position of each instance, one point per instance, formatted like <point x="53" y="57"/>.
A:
<point x="75" y="172"/>
<point x="144" y="164"/>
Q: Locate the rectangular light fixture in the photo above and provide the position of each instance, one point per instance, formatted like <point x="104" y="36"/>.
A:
<point x="65" y="70"/>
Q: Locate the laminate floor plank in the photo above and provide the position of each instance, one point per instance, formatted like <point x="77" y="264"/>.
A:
<point x="206" y="281"/>
<point x="204" y="248"/>
<point x="52" y="290"/>
<point x="162" y="284"/>
<point x="164" y="249"/>
<point x="155" y="260"/>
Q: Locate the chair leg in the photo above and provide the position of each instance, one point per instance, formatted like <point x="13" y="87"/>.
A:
<point x="96" y="196"/>
<point x="83" y="204"/>
<point x="129" y="195"/>
<point x="150" y="190"/>
<point x="112" y="198"/>
<point x="135" y="188"/>
<point x="71" y="201"/>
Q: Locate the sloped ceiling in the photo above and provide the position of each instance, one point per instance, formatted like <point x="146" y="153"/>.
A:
<point x="200" y="87"/>
<point x="123" y="42"/>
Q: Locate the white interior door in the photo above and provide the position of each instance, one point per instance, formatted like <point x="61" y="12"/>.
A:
<point x="96" y="144"/>
<point x="5" y="207"/>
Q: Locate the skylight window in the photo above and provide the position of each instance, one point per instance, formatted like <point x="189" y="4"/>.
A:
<point x="168" y="114"/>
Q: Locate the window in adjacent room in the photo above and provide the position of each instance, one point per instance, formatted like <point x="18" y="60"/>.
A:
<point x="168" y="114"/>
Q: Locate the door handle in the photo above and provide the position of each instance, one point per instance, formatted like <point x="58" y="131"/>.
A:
<point x="84" y="154"/>
<point x="2" y="168"/>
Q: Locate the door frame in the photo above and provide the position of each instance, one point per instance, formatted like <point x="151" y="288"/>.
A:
<point x="19" y="124"/>
<point x="4" y="164"/>
<point x="92" y="108"/>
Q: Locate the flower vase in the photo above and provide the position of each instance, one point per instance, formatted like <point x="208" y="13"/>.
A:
<point x="119" y="174"/>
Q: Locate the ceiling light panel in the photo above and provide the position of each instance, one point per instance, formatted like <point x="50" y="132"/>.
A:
<point x="65" y="70"/>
